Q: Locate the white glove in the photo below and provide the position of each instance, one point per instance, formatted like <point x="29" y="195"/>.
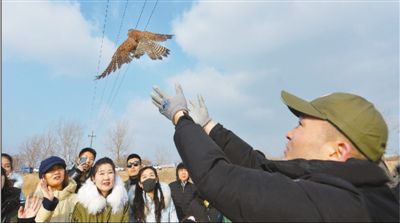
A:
<point x="169" y="105"/>
<point x="198" y="111"/>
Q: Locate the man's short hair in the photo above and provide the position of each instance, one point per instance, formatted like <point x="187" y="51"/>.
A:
<point x="354" y="116"/>
<point x="9" y="158"/>
<point x="134" y="155"/>
<point x="88" y="149"/>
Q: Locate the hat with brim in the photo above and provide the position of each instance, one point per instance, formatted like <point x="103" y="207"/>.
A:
<point x="48" y="163"/>
<point x="354" y="116"/>
<point x="299" y="106"/>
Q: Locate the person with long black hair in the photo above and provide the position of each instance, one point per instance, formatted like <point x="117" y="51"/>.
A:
<point x="152" y="201"/>
<point x="9" y="199"/>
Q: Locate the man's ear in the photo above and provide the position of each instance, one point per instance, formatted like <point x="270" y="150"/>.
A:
<point x="341" y="151"/>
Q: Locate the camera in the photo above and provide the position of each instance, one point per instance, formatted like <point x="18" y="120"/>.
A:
<point x="82" y="159"/>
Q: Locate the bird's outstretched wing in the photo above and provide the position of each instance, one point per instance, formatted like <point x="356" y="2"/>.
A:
<point x="153" y="50"/>
<point x="156" y="36"/>
<point x="139" y="35"/>
<point x="137" y="44"/>
<point x="124" y="54"/>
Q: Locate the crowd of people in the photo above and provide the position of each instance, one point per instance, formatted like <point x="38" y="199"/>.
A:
<point x="92" y="191"/>
<point x="329" y="173"/>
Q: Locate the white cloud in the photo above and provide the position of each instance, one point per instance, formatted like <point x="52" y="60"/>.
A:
<point x="54" y="34"/>
<point x="237" y="33"/>
<point x="309" y="48"/>
<point x="151" y="131"/>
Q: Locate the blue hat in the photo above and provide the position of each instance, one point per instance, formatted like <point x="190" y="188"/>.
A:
<point x="48" y="163"/>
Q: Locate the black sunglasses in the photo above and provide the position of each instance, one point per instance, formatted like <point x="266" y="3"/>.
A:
<point x="133" y="164"/>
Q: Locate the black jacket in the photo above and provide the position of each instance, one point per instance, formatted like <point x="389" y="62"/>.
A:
<point x="79" y="176"/>
<point x="245" y="186"/>
<point x="10" y="203"/>
<point x="182" y="196"/>
<point x="201" y="213"/>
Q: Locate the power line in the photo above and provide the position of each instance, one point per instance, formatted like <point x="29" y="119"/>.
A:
<point x="151" y="14"/>
<point x="112" y="93"/>
<point x="141" y="12"/>
<point x="99" y="60"/>
<point x="116" y="41"/>
<point x="123" y="75"/>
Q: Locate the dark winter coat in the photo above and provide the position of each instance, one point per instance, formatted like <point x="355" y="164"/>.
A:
<point x="78" y="176"/>
<point x="201" y="213"/>
<point x="245" y="186"/>
<point x="10" y="203"/>
<point x="182" y="195"/>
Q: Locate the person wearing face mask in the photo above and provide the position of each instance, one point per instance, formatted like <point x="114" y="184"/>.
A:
<point x="182" y="191"/>
<point x="103" y="197"/>
<point x="56" y="190"/>
<point x="152" y="202"/>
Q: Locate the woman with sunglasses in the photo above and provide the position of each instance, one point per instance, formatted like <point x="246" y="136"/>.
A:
<point x="152" y="201"/>
<point x="102" y="198"/>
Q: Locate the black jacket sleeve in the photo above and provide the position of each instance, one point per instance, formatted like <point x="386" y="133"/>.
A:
<point x="236" y="149"/>
<point x="243" y="194"/>
<point x="76" y="174"/>
<point x="26" y="220"/>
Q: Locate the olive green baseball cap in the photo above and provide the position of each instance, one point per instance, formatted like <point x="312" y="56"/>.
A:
<point x="354" y="116"/>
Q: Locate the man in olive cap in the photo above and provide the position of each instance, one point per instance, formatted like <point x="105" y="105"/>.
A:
<point x="329" y="172"/>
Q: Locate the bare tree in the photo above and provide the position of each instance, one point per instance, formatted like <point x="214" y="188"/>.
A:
<point x="48" y="145"/>
<point x="18" y="161"/>
<point x="161" y="156"/>
<point x="30" y="151"/>
<point x="69" y="138"/>
<point x="118" y="142"/>
<point x="37" y="148"/>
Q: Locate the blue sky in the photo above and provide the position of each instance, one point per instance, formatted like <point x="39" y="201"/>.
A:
<point x="238" y="54"/>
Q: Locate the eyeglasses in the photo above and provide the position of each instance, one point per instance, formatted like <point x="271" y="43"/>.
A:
<point x="134" y="164"/>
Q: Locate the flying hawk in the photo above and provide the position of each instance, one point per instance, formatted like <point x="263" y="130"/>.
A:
<point x="137" y="44"/>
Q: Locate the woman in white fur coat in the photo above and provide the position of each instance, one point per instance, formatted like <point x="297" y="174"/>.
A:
<point x="152" y="201"/>
<point x="103" y="197"/>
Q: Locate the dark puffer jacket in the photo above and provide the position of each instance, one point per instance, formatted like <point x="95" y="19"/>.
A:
<point x="182" y="195"/>
<point x="202" y="212"/>
<point x="78" y="176"/>
<point x="246" y="187"/>
<point x="10" y="203"/>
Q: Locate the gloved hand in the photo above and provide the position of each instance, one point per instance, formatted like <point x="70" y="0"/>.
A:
<point x="169" y="105"/>
<point x="198" y="111"/>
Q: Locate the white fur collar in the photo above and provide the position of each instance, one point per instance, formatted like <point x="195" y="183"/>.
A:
<point x="94" y="202"/>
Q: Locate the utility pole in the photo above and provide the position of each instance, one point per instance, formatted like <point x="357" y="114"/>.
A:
<point x="91" y="138"/>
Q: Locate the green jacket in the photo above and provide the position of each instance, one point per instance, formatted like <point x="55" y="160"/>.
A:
<point x="80" y="214"/>
<point x="67" y="200"/>
<point x="93" y="207"/>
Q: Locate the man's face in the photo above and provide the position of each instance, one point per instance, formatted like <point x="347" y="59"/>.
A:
<point x="308" y="139"/>
<point x="6" y="164"/>
<point x="133" y="166"/>
<point x="89" y="160"/>
<point x="183" y="175"/>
